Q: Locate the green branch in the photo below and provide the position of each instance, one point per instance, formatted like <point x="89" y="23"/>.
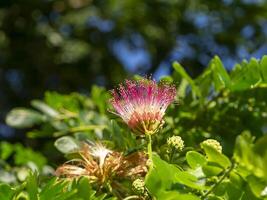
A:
<point x="219" y="182"/>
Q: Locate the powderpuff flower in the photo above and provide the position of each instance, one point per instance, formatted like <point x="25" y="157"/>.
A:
<point x="142" y="104"/>
<point x="102" y="165"/>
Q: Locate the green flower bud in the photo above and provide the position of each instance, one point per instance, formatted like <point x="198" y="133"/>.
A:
<point x="139" y="186"/>
<point x="214" y="144"/>
<point x="176" y="142"/>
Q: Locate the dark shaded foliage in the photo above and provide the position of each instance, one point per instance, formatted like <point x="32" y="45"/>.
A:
<point x="69" y="45"/>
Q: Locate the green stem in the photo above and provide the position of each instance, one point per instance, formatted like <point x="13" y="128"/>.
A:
<point x="220" y="180"/>
<point x="132" y="197"/>
<point x="172" y="154"/>
<point x="86" y="128"/>
<point x="112" y="191"/>
<point x="149" y="147"/>
<point x="19" y="189"/>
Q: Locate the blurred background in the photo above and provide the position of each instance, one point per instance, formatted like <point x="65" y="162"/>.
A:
<point x="69" y="45"/>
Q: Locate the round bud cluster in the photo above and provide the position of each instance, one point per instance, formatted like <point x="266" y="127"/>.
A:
<point x="176" y="142"/>
<point x="138" y="186"/>
<point x="214" y="144"/>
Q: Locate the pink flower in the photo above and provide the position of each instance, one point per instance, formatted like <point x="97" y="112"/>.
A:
<point x="142" y="104"/>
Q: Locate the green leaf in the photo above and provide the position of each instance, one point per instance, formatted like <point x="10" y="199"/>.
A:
<point x="6" y="150"/>
<point x="84" y="189"/>
<point x="221" y="78"/>
<point x="25" y="155"/>
<point x="46" y="109"/>
<point x="250" y="156"/>
<point x="229" y="191"/>
<point x="243" y="148"/>
<point x="100" y="98"/>
<point x="32" y="186"/>
<point x="66" y="144"/>
<point x="236" y="179"/>
<point x="261" y="142"/>
<point x="211" y="197"/>
<point x="246" y="76"/>
<point x="174" y="195"/>
<point x="23" y="118"/>
<point x="195" y="159"/>
<point x="71" y="102"/>
<point x="6" y="192"/>
<point x="167" y="79"/>
<point x="180" y="70"/>
<point x="162" y="177"/>
<point x="122" y="138"/>
<point x="204" y="82"/>
<point x="187" y="179"/>
<point x="216" y="157"/>
<point x="181" y="91"/>
<point x="263" y="68"/>
<point x="57" y="190"/>
<point x="256" y="185"/>
<point x="210" y="170"/>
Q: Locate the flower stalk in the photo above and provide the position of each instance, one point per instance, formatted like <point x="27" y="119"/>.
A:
<point x="149" y="147"/>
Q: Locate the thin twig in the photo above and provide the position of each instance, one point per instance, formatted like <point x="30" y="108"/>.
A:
<point x="220" y="180"/>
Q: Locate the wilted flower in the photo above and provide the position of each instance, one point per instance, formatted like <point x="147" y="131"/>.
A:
<point x="100" y="165"/>
<point x="142" y="104"/>
<point x="100" y="152"/>
<point x="214" y="144"/>
<point x="176" y="142"/>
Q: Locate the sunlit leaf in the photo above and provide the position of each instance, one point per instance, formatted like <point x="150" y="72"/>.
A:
<point x="180" y="70"/>
<point x="66" y="144"/>
<point x="216" y="157"/>
<point x="195" y="159"/>
<point x="44" y="108"/>
<point x="6" y="192"/>
<point x="23" y="118"/>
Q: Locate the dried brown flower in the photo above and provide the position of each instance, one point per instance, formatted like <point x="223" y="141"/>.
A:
<point x="102" y="165"/>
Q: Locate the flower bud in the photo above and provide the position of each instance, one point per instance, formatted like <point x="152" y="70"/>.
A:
<point x="214" y="144"/>
<point x="138" y="186"/>
<point x="176" y="142"/>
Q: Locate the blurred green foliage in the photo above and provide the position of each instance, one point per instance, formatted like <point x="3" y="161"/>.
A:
<point x="68" y="45"/>
<point x="228" y="107"/>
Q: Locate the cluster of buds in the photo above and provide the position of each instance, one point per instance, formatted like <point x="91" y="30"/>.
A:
<point x="139" y="189"/>
<point x="175" y="142"/>
<point x="139" y="186"/>
<point x="142" y="104"/>
<point x="102" y="165"/>
<point x="214" y="144"/>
